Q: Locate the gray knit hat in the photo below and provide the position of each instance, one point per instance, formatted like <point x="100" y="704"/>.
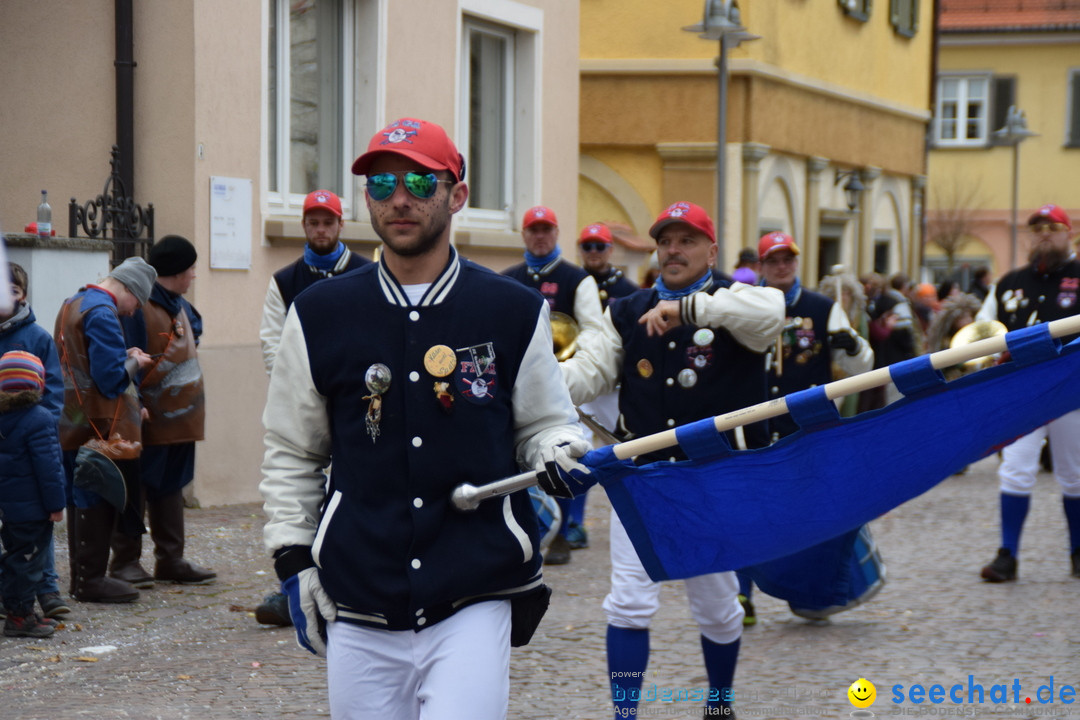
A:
<point x="137" y="276"/>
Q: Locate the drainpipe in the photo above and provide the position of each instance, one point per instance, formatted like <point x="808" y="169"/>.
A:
<point x="125" y="102"/>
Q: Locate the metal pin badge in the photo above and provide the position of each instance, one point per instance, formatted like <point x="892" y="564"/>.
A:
<point x="703" y="337"/>
<point x="439" y="360"/>
<point x="377" y="380"/>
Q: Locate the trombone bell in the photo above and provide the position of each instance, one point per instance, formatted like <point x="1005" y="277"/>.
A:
<point x="973" y="332"/>
<point x="564" y="334"/>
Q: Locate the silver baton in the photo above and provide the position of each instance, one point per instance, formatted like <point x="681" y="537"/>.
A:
<point x="468" y="497"/>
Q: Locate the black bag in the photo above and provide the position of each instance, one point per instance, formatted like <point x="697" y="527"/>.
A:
<point x="526" y="612"/>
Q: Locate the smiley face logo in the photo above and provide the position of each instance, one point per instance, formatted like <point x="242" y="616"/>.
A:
<point x="862" y="693"/>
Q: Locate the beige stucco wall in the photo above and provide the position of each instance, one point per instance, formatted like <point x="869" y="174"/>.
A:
<point x="199" y="84"/>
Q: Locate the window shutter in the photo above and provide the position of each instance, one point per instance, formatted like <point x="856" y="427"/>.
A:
<point x="1074" y="109"/>
<point x="1003" y="96"/>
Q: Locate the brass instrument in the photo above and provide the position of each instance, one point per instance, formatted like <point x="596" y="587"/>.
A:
<point x="564" y="335"/>
<point x="973" y="332"/>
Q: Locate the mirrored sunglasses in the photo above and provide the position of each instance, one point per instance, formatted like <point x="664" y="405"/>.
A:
<point x="594" y="246"/>
<point x="1048" y="227"/>
<point x="422" y="185"/>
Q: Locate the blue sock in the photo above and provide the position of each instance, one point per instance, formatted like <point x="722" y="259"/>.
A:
<point x="746" y="585"/>
<point x="627" y="658"/>
<point x="564" y="507"/>
<point x="720" y="667"/>
<point x="577" y="510"/>
<point x="1072" y="515"/>
<point x="1014" y="508"/>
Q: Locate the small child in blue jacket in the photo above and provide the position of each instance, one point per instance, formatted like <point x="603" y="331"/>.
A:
<point x="31" y="491"/>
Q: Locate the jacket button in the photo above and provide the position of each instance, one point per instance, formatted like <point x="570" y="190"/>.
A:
<point x="418" y="503"/>
<point x="415" y="564"/>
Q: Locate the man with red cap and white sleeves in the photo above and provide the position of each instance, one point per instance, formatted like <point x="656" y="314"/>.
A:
<point x="568" y="290"/>
<point x="1047" y="288"/>
<point x="324" y="256"/>
<point x="415" y="374"/>
<point x="687" y="348"/>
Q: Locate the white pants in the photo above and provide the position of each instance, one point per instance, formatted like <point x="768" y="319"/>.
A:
<point x="457" y="668"/>
<point x="1020" y="461"/>
<point x="635" y="598"/>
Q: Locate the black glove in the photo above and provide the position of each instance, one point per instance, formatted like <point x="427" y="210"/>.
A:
<point x="844" y="340"/>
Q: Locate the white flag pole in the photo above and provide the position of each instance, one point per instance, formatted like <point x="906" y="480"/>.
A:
<point x="467" y="497"/>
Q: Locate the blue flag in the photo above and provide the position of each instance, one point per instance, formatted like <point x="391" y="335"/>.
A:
<point x="725" y="510"/>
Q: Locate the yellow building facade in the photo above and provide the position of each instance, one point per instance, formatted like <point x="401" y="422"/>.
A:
<point x="823" y="90"/>
<point x="982" y="71"/>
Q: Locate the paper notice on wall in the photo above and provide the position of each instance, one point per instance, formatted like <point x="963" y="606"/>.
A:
<point x="230" y="223"/>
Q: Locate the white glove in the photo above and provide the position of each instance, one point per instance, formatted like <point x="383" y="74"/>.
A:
<point x="562" y="474"/>
<point x="310" y="608"/>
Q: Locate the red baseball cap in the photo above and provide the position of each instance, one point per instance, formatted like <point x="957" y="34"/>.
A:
<point x="419" y="140"/>
<point x="684" y="212"/>
<point x="1051" y="213"/>
<point x="323" y="199"/>
<point x="776" y="241"/>
<point x="539" y="214"/>
<point x="596" y="231"/>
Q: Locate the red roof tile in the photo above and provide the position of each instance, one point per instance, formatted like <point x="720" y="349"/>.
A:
<point x="1017" y="15"/>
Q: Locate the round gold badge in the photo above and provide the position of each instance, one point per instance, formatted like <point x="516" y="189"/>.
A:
<point x="644" y="368"/>
<point x="439" y="360"/>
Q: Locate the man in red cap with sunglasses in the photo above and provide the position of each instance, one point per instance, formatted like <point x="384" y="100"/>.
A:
<point x="688" y="348"/>
<point x="415" y="374"/>
<point x="1047" y="288"/>
<point x="571" y="291"/>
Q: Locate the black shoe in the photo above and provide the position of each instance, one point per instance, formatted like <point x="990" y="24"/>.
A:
<point x="577" y="536"/>
<point x="274" y="610"/>
<point x="28" y="625"/>
<point x="558" y="552"/>
<point x="749" y="616"/>
<point x="1076" y="563"/>
<point x="1003" y="568"/>
<point x="52" y="605"/>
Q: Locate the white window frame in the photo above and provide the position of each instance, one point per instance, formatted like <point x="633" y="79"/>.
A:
<point x="471" y="28"/>
<point x="965" y="80"/>
<point x="282" y="201"/>
<point x="524" y="153"/>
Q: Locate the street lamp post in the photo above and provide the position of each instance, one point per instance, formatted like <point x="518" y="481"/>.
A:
<point x="1014" y="132"/>
<point x="721" y="21"/>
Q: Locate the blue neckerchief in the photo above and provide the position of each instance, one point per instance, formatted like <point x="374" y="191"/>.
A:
<point x="326" y="262"/>
<point x="536" y="263"/>
<point x="666" y="294"/>
<point x="792" y="295"/>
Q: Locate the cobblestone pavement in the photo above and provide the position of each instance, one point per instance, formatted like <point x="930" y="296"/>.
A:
<point x="197" y="652"/>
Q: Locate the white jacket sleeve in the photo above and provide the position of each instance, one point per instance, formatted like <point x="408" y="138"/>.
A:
<point x="588" y="311"/>
<point x="861" y="361"/>
<point x="297" y="443"/>
<point x="595" y="367"/>
<point x="543" y="413"/>
<point x="989" y="309"/>
<point x="273" y="319"/>
<point x="753" y="315"/>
